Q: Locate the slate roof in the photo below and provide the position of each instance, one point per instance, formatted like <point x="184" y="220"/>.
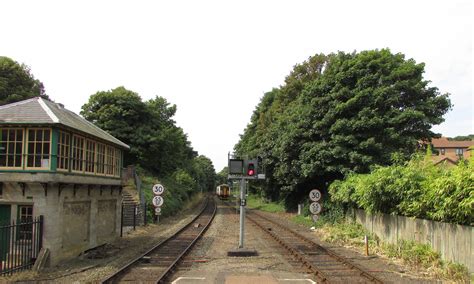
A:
<point x="41" y="111"/>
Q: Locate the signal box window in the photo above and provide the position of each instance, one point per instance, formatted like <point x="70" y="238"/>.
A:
<point x="443" y="151"/>
<point x="459" y="151"/>
<point x="77" y="153"/>
<point x="90" y="155"/>
<point x="11" y="148"/>
<point x="63" y="151"/>
<point x="100" y="158"/>
<point x="39" y="145"/>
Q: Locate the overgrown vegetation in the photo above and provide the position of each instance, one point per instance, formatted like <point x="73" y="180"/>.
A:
<point x="177" y="195"/>
<point x="340" y="113"/>
<point x="157" y="144"/>
<point x="333" y="227"/>
<point x="415" y="189"/>
<point x="256" y="202"/>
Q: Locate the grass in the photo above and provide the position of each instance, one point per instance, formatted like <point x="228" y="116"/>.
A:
<point x="256" y="202"/>
<point x="303" y="220"/>
<point x="410" y="252"/>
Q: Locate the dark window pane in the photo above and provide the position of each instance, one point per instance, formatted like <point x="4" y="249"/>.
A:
<point x="10" y="160"/>
<point x="46" y="148"/>
<point x="3" y="136"/>
<point x="11" y="148"/>
<point x="38" y="148"/>
<point x="19" y="135"/>
<point x="31" y="135"/>
<point x="30" y="161"/>
<point x="46" y="135"/>
<point x="18" y="161"/>
<point x="38" y="161"/>
<point x="3" y="160"/>
<point x="11" y="135"/>
<point x="31" y="148"/>
<point x="19" y="147"/>
<point x="3" y="147"/>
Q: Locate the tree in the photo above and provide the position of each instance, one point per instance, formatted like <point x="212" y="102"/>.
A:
<point x="469" y="137"/>
<point x="17" y="83"/>
<point x="350" y="112"/>
<point x="121" y="113"/>
<point x="204" y="173"/>
<point x="156" y="143"/>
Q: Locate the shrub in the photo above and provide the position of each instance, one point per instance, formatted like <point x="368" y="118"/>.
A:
<point x="416" y="189"/>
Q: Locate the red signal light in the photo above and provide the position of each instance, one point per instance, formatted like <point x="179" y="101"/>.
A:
<point x="251" y="169"/>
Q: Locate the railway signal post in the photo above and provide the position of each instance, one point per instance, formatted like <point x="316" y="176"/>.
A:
<point x="243" y="170"/>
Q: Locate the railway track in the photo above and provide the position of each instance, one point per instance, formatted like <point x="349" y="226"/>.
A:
<point x="326" y="265"/>
<point x="157" y="264"/>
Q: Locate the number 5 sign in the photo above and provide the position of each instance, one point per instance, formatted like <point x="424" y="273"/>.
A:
<point x="157" y="201"/>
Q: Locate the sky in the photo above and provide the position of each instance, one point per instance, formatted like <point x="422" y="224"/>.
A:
<point x="216" y="59"/>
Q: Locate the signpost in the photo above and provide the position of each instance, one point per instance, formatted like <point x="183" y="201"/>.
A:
<point x="243" y="170"/>
<point x="158" y="200"/>
<point x="315" y="208"/>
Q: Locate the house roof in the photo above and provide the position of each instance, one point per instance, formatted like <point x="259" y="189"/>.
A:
<point x="41" y="111"/>
<point x="439" y="159"/>
<point x="443" y="142"/>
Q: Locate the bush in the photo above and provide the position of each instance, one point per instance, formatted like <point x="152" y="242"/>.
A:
<point x="416" y="189"/>
<point x="177" y="192"/>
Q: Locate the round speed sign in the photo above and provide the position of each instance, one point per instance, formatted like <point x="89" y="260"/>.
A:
<point x="315" y="195"/>
<point x="157" y="201"/>
<point x="158" y="189"/>
<point x="315" y="208"/>
<point x="315" y="218"/>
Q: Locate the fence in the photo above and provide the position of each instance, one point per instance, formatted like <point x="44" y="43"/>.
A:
<point x="20" y="244"/>
<point x="133" y="215"/>
<point x="453" y="242"/>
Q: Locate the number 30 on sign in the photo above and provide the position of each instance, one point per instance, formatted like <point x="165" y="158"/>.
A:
<point x="158" y="189"/>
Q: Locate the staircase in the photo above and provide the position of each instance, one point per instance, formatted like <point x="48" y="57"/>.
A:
<point x="131" y="207"/>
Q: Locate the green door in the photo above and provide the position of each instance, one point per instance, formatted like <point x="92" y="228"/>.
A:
<point x="5" y="212"/>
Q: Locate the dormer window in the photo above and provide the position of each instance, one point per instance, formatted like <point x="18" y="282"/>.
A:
<point x="459" y="151"/>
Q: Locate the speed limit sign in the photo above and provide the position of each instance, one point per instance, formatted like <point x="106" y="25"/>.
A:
<point x="315" y="208"/>
<point x="157" y="201"/>
<point x="158" y="189"/>
<point x="315" y="195"/>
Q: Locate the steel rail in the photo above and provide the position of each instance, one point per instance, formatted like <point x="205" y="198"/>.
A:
<point x="122" y="271"/>
<point x="318" y="272"/>
<point x="180" y="257"/>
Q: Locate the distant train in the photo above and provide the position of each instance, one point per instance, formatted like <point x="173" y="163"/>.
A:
<point x="223" y="191"/>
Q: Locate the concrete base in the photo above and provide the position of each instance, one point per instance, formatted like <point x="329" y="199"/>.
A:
<point x="242" y="252"/>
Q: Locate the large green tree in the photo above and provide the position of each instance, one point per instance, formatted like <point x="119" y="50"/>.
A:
<point x="156" y="143"/>
<point x="17" y="83"/>
<point x="338" y="114"/>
